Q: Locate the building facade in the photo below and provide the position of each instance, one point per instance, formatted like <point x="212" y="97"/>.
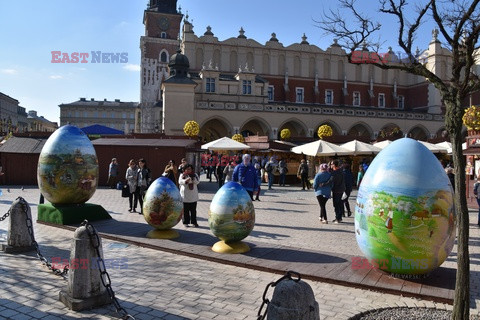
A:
<point x="242" y="86"/>
<point x="114" y="114"/>
<point x="37" y="123"/>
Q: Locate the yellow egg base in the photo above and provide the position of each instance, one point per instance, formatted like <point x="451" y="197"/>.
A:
<point x="231" y="247"/>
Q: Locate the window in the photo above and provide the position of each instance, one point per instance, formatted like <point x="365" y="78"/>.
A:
<point x="124" y="115"/>
<point x="69" y="114"/>
<point x="247" y="86"/>
<point x="96" y="114"/>
<point x="104" y="115"/>
<point x="77" y="114"/>
<point x="163" y="35"/>
<point x="381" y="100"/>
<point x="132" y="115"/>
<point x="328" y="96"/>
<point x="163" y="57"/>
<point x="356" y="98"/>
<point x="270" y="93"/>
<point x="401" y="102"/>
<point x="299" y="95"/>
<point x="210" y="85"/>
<point x="113" y="114"/>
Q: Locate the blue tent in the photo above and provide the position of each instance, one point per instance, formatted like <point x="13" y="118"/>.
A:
<point x="99" y="129"/>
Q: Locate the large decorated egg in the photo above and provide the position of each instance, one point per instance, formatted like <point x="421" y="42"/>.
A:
<point x="68" y="167"/>
<point x="231" y="216"/>
<point x="404" y="217"/>
<point x="162" y="206"/>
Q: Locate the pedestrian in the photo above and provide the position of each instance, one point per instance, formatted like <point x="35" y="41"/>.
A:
<point x="171" y="172"/>
<point x="348" y="176"/>
<point x="132" y="180"/>
<point x="338" y="188"/>
<point x="144" y="180"/>
<point x="188" y="182"/>
<point x="360" y="175"/>
<point x="258" y="171"/>
<point x="282" y="170"/>
<point x="112" y="173"/>
<point x="476" y="189"/>
<point x="228" y="172"/>
<point x="245" y="174"/>
<point x="309" y="175"/>
<point x="183" y="163"/>
<point x="322" y="190"/>
<point x="451" y="176"/>
<point x="302" y="173"/>
<point x="219" y="171"/>
<point x="269" y="169"/>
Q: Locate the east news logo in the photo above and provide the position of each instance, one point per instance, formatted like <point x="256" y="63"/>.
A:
<point x="95" y="57"/>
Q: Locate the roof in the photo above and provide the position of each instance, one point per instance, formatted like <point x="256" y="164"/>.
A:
<point x="99" y="129"/>
<point x="23" y="145"/>
<point x="182" y="143"/>
<point x="105" y="103"/>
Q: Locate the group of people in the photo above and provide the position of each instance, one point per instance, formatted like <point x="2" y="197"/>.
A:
<point x="139" y="177"/>
<point x="334" y="180"/>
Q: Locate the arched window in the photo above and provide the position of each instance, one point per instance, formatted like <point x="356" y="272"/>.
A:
<point x="163" y="57"/>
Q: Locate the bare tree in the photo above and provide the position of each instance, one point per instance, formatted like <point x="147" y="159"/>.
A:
<point x="458" y="23"/>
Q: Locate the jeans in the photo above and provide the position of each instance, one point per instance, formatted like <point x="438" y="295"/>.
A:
<point x="281" y="181"/>
<point x="305" y="182"/>
<point x="338" y="205"/>
<point x="133" y="199"/>
<point x="322" y="201"/>
<point x="270" y="179"/>
<point x="478" y="201"/>
<point x="345" y="201"/>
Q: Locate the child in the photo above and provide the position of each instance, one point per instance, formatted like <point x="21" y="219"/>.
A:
<point x="188" y="182"/>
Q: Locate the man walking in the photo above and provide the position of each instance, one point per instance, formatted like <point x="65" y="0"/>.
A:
<point x="338" y="189"/>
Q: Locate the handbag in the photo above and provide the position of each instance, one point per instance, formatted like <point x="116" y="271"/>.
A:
<point x="125" y="191"/>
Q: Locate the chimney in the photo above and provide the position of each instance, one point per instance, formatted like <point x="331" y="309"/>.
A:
<point x="105" y="99"/>
<point x="92" y="99"/>
<point x="82" y="99"/>
<point x="117" y="100"/>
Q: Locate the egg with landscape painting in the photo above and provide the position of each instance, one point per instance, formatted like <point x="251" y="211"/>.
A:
<point x="404" y="215"/>
<point x="162" y="205"/>
<point x="231" y="216"/>
<point x="67" y="170"/>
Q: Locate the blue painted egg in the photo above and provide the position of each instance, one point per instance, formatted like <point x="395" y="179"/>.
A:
<point x="68" y="167"/>
<point x="162" y="206"/>
<point x="404" y="216"/>
<point x="231" y="216"/>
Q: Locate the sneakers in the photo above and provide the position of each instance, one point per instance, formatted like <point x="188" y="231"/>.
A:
<point x="195" y="225"/>
<point x="185" y="225"/>
<point x="337" y="221"/>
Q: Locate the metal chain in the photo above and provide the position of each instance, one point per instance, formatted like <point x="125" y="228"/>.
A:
<point x="5" y="216"/>
<point x="266" y="301"/>
<point x="104" y="276"/>
<point x="59" y="272"/>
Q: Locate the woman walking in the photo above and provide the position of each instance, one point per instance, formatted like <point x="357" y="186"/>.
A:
<point x="322" y="190"/>
<point x="132" y="180"/>
<point x="144" y="180"/>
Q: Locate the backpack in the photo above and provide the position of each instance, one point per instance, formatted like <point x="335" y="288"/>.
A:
<point x="475" y="189"/>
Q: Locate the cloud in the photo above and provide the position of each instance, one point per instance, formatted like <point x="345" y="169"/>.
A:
<point x="9" y="71"/>
<point x="55" y="77"/>
<point x="131" y="67"/>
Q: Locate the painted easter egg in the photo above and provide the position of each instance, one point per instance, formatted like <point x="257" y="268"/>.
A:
<point x="231" y="216"/>
<point x="67" y="167"/>
<point x="162" y="206"/>
<point x="404" y="215"/>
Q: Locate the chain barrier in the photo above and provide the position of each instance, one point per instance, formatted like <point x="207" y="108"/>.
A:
<point x="59" y="272"/>
<point x="6" y="215"/>
<point x="266" y="301"/>
<point x="104" y="276"/>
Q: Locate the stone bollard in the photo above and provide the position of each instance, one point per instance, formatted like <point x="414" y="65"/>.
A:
<point x="19" y="239"/>
<point x="85" y="289"/>
<point x="293" y="300"/>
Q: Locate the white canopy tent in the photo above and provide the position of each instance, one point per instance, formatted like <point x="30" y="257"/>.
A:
<point x="320" y="148"/>
<point x="360" y="148"/>
<point x="433" y="147"/>
<point x="382" y="144"/>
<point x="225" y="143"/>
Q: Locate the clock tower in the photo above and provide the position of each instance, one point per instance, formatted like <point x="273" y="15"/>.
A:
<point x="161" y="40"/>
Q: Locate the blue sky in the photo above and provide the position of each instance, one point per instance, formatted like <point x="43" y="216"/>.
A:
<point x="31" y="30"/>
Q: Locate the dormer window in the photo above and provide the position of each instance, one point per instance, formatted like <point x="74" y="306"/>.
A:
<point x="163" y="35"/>
<point x="246" y="86"/>
<point x="163" y="57"/>
<point x="210" y="85"/>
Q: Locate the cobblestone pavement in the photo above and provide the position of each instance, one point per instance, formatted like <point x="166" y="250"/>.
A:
<point x="158" y="285"/>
